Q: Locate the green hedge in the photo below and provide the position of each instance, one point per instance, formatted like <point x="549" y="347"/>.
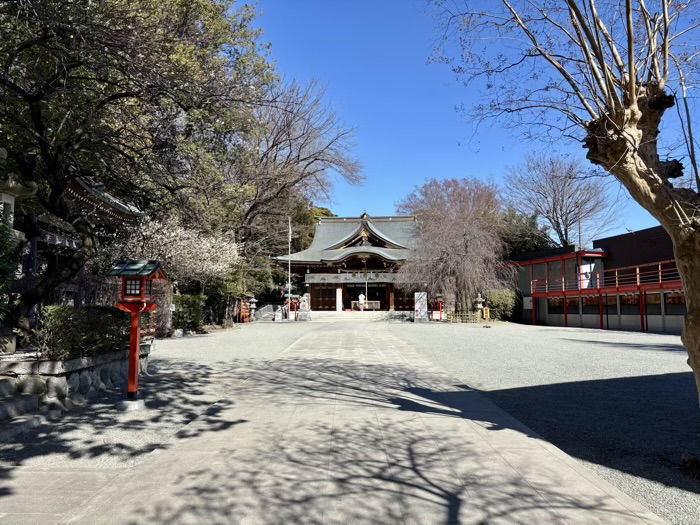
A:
<point x="189" y="312"/>
<point x="67" y="332"/>
<point x="501" y="302"/>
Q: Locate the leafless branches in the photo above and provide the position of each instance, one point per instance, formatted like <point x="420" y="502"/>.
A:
<point x="298" y="146"/>
<point x="557" y="190"/>
<point x="611" y="68"/>
<point x="577" y="62"/>
<point x="460" y="248"/>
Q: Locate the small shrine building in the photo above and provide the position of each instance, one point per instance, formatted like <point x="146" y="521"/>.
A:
<point x="350" y="256"/>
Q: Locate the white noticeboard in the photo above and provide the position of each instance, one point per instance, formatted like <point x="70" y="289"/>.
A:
<point x="421" y="307"/>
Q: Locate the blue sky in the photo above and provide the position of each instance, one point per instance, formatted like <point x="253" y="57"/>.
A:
<point x="372" y="56"/>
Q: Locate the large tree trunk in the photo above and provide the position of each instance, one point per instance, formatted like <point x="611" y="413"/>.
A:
<point x="687" y="250"/>
<point x="685" y="234"/>
<point x="19" y="313"/>
<point x="631" y="155"/>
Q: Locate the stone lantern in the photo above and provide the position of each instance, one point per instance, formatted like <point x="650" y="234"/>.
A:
<point x="253" y="305"/>
<point x="11" y="191"/>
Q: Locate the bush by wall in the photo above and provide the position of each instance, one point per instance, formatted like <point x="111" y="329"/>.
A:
<point x="67" y="332"/>
<point x="189" y="312"/>
<point x="501" y="302"/>
<point x="8" y="266"/>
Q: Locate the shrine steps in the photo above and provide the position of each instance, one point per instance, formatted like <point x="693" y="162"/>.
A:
<point x="331" y="316"/>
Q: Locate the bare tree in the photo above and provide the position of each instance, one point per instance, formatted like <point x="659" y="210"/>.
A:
<point x="575" y="204"/>
<point x="299" y="144"/>
<point x="459" y="250"/>
<point x="604" y="72"/>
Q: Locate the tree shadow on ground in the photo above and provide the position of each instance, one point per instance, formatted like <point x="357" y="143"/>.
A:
<point x="638" y="425"/>
<point x="401" y="447"/>
<point x="653" y="347"/>
<point x="376" y="464"/>
<point x="357" y="473"/>
<point x="175" y="394"/>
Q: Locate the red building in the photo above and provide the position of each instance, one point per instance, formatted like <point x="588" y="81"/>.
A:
<point x="627" y="282"/>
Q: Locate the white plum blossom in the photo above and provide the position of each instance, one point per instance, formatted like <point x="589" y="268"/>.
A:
<point x="185" y="252"/>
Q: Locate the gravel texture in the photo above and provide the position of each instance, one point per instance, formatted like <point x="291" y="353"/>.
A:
<point x="624" y="403"/>
<point x="187" y="376"/>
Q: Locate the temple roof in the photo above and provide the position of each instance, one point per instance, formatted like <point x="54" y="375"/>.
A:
<point x="95" y="195"/>
<point x="337" y="238"/>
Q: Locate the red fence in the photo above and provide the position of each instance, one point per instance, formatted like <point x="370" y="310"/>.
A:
<point x="649" y="277"/>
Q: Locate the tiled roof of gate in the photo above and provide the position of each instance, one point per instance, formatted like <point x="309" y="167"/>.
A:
<point x="399" y="232"/>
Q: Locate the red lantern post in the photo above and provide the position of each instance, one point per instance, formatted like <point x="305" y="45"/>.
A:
<point x="136" y="297"/>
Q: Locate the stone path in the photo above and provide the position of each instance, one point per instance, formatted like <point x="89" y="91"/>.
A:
<point x="349" y="426"/>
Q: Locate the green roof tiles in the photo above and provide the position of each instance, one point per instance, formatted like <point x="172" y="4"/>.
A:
<point x="135" y="269"/>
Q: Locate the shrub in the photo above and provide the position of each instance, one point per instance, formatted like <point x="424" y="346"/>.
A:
<point x="68" y="332"/>
<point x="189" y="312"/>
<point x="8" y="266"/>
<point x="501" y="302"/>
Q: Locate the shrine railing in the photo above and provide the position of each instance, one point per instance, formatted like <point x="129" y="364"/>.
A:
<point x="656" y="276"/>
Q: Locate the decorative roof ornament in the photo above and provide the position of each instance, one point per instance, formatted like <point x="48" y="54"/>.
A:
<point x="94" y="196"/>
<point x="365" y="238"/>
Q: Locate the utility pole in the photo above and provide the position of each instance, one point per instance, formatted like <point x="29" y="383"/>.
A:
<point x="289" y="272"/>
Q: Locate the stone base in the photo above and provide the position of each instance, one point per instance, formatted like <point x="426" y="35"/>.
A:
<point x="61" y="384"/>
<point x="130" y="406"/>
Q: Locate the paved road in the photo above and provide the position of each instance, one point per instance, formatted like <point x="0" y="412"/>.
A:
<point x="349" y="425"/>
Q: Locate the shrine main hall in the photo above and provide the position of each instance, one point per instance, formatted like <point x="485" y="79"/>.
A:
<point x="350" y="256"/>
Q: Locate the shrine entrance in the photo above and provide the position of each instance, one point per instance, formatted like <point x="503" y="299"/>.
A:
<point x="350" y="256"/>
<point x="376" y="292"/>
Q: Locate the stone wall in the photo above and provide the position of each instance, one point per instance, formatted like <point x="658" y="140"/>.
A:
<point x="61" y="384"/>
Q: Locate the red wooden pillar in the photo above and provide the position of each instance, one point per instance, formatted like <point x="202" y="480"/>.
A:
<point x="534" y="310"/>
<point x="134" y="355"/>
<point x="563" y="279"/>
<point x="579" y="263"/>
<point x="642" y="308"/>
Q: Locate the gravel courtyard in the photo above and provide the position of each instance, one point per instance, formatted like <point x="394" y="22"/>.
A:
<point x="624" y="403"/>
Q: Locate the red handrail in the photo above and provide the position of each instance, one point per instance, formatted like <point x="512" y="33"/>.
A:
<point x="624" y="277"/>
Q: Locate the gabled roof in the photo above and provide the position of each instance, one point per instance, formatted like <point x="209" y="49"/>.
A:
<point x="337" y="238"/>
<point x="137" y="269"/>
